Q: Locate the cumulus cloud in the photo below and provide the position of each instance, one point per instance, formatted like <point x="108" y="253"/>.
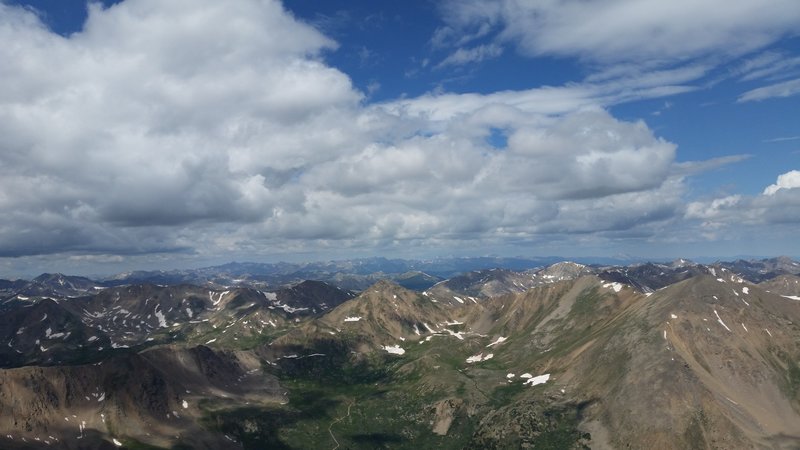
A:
<point x="788" y="180"/>
<point x="778" y="204"/>
<point x="216" y="128"/>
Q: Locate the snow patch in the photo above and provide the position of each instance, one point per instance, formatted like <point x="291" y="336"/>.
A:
<point x="394" y="349"/>
<point x="479" y="357"/>
<point x="499" y="340"/>
<point x="791" y="297"/>
<point x="458" y="335"/>
<point x="116" y="442"/>
<point x="352" y="319"/>
<point x="185" y="404"/>
<point x="615" y="286"/>
<point x="673" y="316"/>
<point x="541" y="379"/>
<point x="720" y="320"/>
<point x="746" y="290"/>
<point x="458" y="300"/>
<point x="162" y="320"/>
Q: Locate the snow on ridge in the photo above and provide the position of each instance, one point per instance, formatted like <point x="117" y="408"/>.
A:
<point x="791" y="297"/>
<point x="499" y="340"/>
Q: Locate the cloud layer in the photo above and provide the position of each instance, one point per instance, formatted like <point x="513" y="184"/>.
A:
<point x="217" y="128"/>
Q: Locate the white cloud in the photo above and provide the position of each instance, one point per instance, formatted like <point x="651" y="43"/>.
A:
<point x="788" y="180"/>
<point x="477" y="54"/>
<point x="713" y="209"/>
<point x="770" y="65"/>
<point x="778" y="204"/>
<point x="207" y="127"/>
<point x="777" y="90"/>
<point x="631" y="30"/>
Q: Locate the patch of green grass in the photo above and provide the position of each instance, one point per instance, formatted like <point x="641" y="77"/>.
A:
<point x="531" y="424"/>
<point x="793" y="377"/>
<point x="504" y="395"/>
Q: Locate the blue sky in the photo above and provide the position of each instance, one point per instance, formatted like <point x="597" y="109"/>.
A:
<point x="149" y="134"/>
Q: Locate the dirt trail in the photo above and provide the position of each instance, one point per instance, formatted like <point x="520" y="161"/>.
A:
<point x="335" y="421"/>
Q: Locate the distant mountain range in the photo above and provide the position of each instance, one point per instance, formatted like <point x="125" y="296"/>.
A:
<point x="521" y="355"/>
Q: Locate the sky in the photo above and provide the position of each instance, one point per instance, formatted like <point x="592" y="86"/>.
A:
<point x="144" y="134"/>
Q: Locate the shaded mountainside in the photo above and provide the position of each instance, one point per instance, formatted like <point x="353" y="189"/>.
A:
<point x="652" y="277"/>
<point x="757" y="271"/>
<point x="151" y="397"/>
<point x="667" y="356"/>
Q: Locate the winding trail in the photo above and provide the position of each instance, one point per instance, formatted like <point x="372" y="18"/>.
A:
<point x="335" y="421"/>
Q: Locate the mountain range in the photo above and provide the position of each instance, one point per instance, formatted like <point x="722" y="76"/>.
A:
<point x="502" y="354"/>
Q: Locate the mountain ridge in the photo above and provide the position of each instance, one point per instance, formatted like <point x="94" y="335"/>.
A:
<point x="566" y="355"/>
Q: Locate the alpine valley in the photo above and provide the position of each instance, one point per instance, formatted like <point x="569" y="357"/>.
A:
<point x="460" y="353"/>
